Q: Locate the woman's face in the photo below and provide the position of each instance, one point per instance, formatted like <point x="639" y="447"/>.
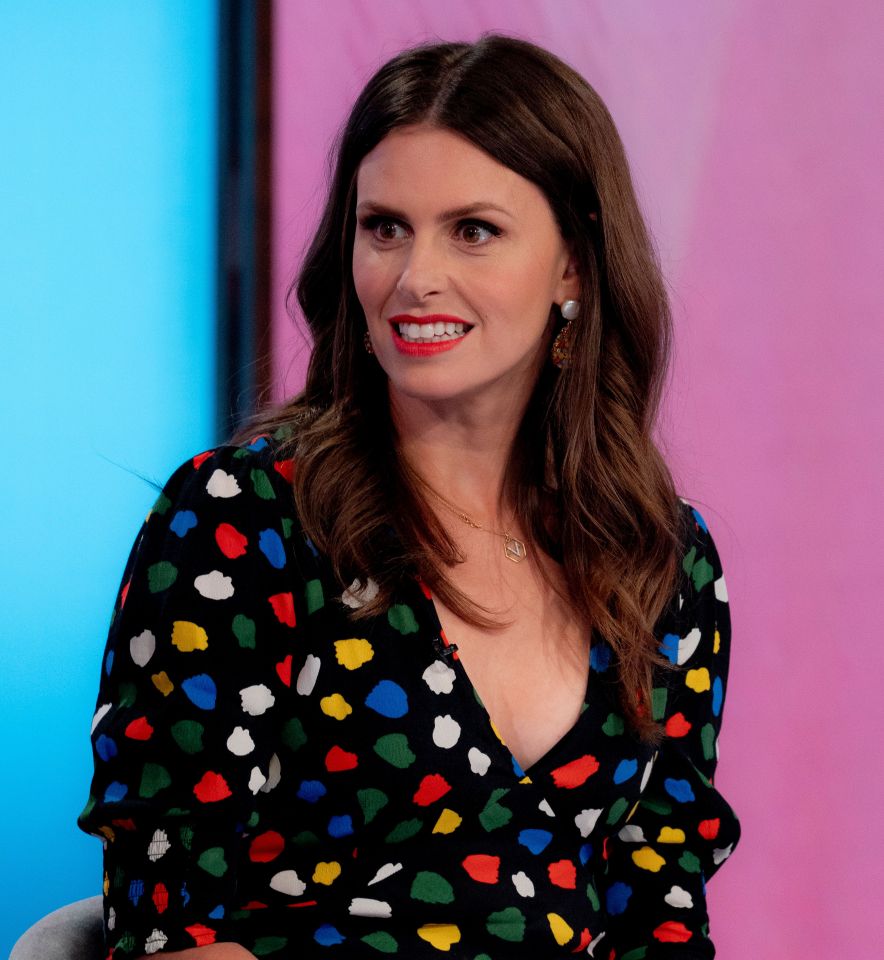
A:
<point x="450" y="242"/>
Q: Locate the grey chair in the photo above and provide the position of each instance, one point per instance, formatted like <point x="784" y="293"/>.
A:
<point x="75" y="932"/>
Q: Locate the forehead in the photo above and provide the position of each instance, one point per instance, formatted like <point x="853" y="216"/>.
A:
<point x="425" y="165"/>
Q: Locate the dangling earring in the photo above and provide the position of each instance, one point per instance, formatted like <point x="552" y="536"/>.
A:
<point x="366" y="340"/>
<point x="561" y="348"/>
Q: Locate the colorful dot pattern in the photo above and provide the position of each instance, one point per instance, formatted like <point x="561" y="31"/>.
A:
<point x="271" y="772"/>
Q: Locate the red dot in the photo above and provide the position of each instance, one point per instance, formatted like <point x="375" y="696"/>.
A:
<point x="563" y="874"/>
<point x="284" y="670"/>
<point x="139" y="729"/>
<point x="672" y="932"/>
<point x="482" y="867"/>
<point x="677" y="725"/>
<point x="266" y="846"/>
<point x="575" y="773"/>
<point x="211" y="788"/>
<point x="230" y="541"/>
<point x="201" y="934"/>
<point x="160" y="897"/>
<point x="285" y="468"/>
<point x="708" y="829"/>
<point x="201" y="458"/>
<point x="284" y="607"/>
<point x="338" y="759"/>
<point x="431" y="788"/>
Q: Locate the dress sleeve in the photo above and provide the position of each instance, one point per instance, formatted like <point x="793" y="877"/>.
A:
<point x="682" y="829"/>
<point x="184" y="735"/>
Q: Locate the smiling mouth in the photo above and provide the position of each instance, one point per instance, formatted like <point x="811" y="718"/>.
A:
<point x="436" y="332"/>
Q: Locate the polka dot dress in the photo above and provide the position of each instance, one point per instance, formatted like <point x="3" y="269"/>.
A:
<point x="271" y="772"/>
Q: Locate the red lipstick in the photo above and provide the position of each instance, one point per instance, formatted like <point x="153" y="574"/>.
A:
<point x="426" y="348"/>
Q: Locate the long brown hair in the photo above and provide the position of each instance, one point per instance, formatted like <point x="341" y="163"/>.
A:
<point x="584" y="477"/>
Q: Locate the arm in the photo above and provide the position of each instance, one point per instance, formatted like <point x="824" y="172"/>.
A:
<point x="185" y="730"/>
<point x="682" y="829"/>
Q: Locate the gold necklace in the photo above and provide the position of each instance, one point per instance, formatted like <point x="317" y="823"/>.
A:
<point x="513" y="548"/>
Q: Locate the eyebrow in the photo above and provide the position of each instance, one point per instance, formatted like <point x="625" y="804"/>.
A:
<point x="456" y="213"/>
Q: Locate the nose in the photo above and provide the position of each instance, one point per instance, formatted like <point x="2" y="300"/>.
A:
<point x="423" y="271"/>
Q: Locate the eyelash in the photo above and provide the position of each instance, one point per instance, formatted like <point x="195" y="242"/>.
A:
<point x="371" y="223"/>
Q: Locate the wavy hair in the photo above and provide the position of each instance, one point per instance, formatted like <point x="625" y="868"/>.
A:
<point x="584" y="477"/>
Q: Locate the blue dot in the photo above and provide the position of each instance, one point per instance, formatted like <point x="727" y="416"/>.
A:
<point x="183" y="521"/>
<point x="535" y="840"/>
<point x="679" y="790"/>
<point x="115" y="792"/>
<point x="717" y="696"/>
<point x="340" y="826"/>
<point x="311" y="790"/>
<point x="585" y="854"/>
<point x="669" y="647"/>
<point x="517" y="770"/>
<point x="328" y="936"/>
<point x="136" y="891"/>
<point x="311" y="545"/>
<point x="105" y="748"/>
<point x="600" y="657"/>
<point x="257" y="444"/>
<point x="271" y="545"/>
<point x="388" y="699"/>
<point x="109" y="662"/>
<point x="701" y="523"/>
<point x="625" y="770"/>
<point x="218" y="912"/>
<point x="200" y="691"/>
<point x="617" y="897"/>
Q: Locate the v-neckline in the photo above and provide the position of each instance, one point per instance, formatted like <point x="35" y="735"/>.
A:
<point x="448" y="651"/>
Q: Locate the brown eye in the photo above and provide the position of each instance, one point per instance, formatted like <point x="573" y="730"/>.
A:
<point x="476" y="233"/>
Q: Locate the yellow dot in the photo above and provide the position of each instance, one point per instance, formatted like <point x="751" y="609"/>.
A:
<point x="670" y="835"/>
<point x="335" y="706"/>
<point x="647" y="858"/>
<point x="560" y="929"/>
<point x="106" y="885"/>
<point x="448" y="821"/>
<point x="188" y="636"/>
<point x="716" y="643"/>
<point x="698" y="680"/>
<point x="526" y="779"/>
<point x="353" y="653"/>
<point x="327" y="873"/>
<point x="631" y="813"/>
<point x="439" y="935"/>
<point x="162" y="682"/>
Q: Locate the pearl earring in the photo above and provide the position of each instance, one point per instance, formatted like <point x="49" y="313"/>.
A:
<point x="570" y="309"/>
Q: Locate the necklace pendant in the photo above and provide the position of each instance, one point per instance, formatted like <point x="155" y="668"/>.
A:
<point x="514" y="549"/>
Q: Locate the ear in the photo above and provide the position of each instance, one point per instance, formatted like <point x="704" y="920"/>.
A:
<point x="568" y="287"/>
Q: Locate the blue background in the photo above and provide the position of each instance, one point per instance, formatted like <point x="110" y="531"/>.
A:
<point x="107" y="346"/>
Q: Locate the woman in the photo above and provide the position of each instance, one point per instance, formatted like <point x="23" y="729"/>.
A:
<point x="436" y="662"/>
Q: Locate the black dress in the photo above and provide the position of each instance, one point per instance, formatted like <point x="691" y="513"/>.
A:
<point x="270" y="772"/>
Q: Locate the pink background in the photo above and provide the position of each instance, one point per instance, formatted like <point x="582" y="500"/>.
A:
<point x="755" y="131"/>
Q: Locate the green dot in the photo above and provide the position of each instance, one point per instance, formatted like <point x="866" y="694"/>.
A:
<point x="306" y="838"/>
<point x="213" y="862"/>
<point x="153" y="779"/>
<point x="508" y="924"/>
<point x="161" y="576"/>
<point x="188" y="734"/>
<point x="381" y="941"/>
<point x="90" y="806"/>
<point x="658" y="702"/>
<point x="244" y="630"/>
<point x="293" y="735"/>
<point x="702" y="573"/>
<point x="593" y="896"/>
<point x="262" y="485"/>
<point x="404" y="831"/>
<point x="613" y="726"/>
<point x="689" y="862"/>
<point x="394" y="748"/>
<point x="494" y="815"/>
<point x="431" y="887"/>
<point x="126" y="944"/>
<point x="401" y="617"/>
<point x="186" y="835"/>
<point x="657" y="805"/>
<point x="127" y="695"/>
<point x="618" y="808"/>
<point x="638" y="954"/>
<point x="314" y="596"/>
<point x="253" y="820"/>
<point x="707" y="738"/>
<point x="266" y="945"/>
<point x="688" y="563"/>
<point x="372" y="802"/>
<point x="286" y="523"/>
<point x="161" y="505"/>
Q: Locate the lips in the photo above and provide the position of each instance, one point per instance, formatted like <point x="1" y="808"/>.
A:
<point x="427" y="335"/>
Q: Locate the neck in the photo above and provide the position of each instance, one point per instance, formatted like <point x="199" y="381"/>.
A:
<point x="461" y="450"/>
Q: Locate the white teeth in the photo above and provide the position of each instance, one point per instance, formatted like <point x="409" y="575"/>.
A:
<point x="431" y="332"/>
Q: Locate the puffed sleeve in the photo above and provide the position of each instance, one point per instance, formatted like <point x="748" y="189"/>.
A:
<point x="682" y="829"/>
<point x="185" y="729"/>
